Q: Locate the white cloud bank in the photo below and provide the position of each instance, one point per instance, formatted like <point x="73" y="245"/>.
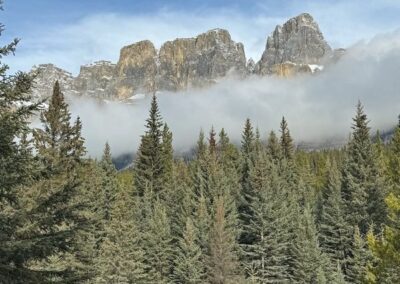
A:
<point x="317" y="107"/>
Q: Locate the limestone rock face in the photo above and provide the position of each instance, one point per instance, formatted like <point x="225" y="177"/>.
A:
<point x="46" y="76"/>
<point x="200" y="61"/>
<point x="95" y="79"/>
<point x="136" y="70"/>
<point x="251" y="65"/>
<point x="298" y="41"/>
<point x="296" y="47"/>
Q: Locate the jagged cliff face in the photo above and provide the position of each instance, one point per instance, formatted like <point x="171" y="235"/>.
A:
<point x="46" y="76"/>
<point x="299" y="41"/>
<point x="95" y="79"/>
<point x="200" y="61"/>
<point x="136" y="70"/>
<point x="296" y="47"/>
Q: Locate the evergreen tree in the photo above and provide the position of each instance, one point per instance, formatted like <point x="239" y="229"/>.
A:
<point x="286" y="140"/>
<point x="247" y="160"/>
<point x="394" y="162"/>
<point x="17" y="169"/>
<point x="362" y="190"/>
<point x="223" y="265"/>
<point x="149" y="165"/>
<point x="212" y="142"/>
<point x="109" y="184"/>
<point x="266" y="258"/>
<point x="310" y="263"/>
<point x="386" y="248"/>
<point x="121" y="258"/>
<point x="357" y="271"/>
<point x="55" y="202"/>
<point x="189" y="267"/>
<point x="273" y="147"/>
<point x="167" y="162"/>
<point x="157" y="245"/>
<point x="333" y="233"/>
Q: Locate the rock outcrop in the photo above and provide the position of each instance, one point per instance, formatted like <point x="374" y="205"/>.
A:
<point x="136" y="70"/>
<point x="95" y="79"/>
<point x="299" y="41"/>
<point x="200" y="61"/>
<point x="46" y="76"/>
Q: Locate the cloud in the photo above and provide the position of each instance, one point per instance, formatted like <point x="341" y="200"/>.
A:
<point x="318" y="107"/>
<point x="101" y="35"/>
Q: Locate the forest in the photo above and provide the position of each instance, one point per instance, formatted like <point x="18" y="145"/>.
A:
<point x="258" y="212"/>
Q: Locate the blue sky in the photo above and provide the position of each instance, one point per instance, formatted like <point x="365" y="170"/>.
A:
<point x="75" y="32"/>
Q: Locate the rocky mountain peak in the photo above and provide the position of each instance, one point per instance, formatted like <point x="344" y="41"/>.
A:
<point x="299" y="41"/>
<point x="297" y="46"/>
<point x="136" y="70"/>
<point x="46" y="76"/>
<point x="199" y="61"/>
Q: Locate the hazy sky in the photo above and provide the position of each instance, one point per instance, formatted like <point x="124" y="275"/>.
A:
<point x="75" y="32"/>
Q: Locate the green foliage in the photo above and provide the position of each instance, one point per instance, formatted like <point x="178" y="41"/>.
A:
<point x="363" y="190"/>
<point x="149" y="164"/>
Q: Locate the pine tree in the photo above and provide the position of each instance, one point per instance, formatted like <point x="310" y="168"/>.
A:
<point x="333" y="233"/>
<point x="394" y="162"/>
<point x="266" y="258"/>
<point x="386" y="248"/>
<point x="357" y="270"/>
<point x="310" y="263"/>
<point x="157" y="245"/>
<point x="55" y="202"/>
<point x="17" y="169"/>
<point x="167" y="162"/>
<point x="227" y="152"/>
<point x="212" y="142"/>
<point x="202" y="221"/>
<point x="286" y="140"/>
<point x="149" y="165"/>
<point x="223" y="265"/>
<point x="273" y="147"/>
<point x="121" y="257"/>
<point x="247" y="160"/>
<point x="109" y="184"/>
<point x="362" y="190"/>
<point x="189" y="265"/>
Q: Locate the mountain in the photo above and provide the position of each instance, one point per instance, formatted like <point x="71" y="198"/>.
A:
<point x="297" y="46"/>
<point x="293" y="47"/>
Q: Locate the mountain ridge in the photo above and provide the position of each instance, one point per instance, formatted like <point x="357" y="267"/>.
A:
<point x="298" y="46"/>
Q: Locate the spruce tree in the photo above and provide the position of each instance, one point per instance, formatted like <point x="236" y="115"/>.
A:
<point x="212" y="142"/>
<point x="223" y="264"/>
<point x="357" y="268"/>
<point x="266" y="258"/>
<point x="55" y="200"/>
<point x="149" y="165"/>
<point x="286" y="140"/>
<point x="17" y="171"/>
<point x="310" y="263"/>
<point x="363" y="190"/>
<point x="247" y="160"/>
<point x="189" y="264"/>
<point x="394" y="162"/>
<point x="158" y="245"/>
<point x="386" y="247"/>
<point x="333" y="228"/>
<point x="121" y="257"/>
<point x="273" y="147"/>
<point x="109" y="184"/>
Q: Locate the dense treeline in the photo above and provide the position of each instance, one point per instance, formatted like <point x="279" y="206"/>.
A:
<point x="263" y="212"/>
